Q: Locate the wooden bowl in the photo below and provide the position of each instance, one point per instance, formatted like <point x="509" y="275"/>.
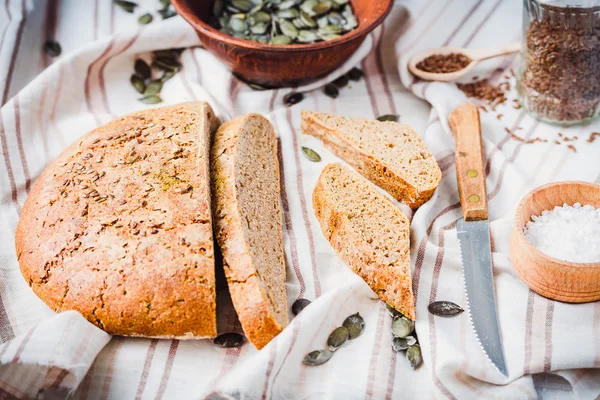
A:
<point x="550" y="277"/>
<point x="282" y="65"/>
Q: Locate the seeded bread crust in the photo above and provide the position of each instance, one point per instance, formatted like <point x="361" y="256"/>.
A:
<point x="118" y="226"/>
<point x="248" y="224"/>
<point x="389" y="154"/>
<point x="368" y="232"/>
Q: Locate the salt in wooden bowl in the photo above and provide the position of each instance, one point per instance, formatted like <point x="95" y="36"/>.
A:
<point x="548" y="276"/>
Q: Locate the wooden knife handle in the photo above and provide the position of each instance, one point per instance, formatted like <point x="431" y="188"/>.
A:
<point x="465" y="124"/>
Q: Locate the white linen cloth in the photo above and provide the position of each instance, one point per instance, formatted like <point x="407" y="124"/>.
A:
<point x="48" y="355"/>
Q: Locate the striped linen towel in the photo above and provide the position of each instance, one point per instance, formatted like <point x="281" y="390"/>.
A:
<point x="49" y="355"/>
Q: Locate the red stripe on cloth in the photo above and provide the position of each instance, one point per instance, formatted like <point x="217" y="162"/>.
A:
<point x="383" y="74"/>
<point x="442" y="11"/>
<point x="500" y="145"/>
<point x="480" y="25"/>
<point x="22" y="346"/>
<point x="528" y="332"/>
<point x="52" y="118"/>
<point x="146" y="368"/>
<point x="111" y="366"/>
<point x="49" y="28"/>
<point x="300" y="186"/>
<point x="167" y="371"/>
<point x="288" y="223"/>
<point x="13" y="59"/>
<point x="9" y="171"/>
<point x="432" y="297"/>
<point x="376" y="348"/>
<point x="20" y="143"/>
<point x="369" y="85"/>
<point x="221" y="109"/>
<point x="88" y="80"/>
<point x="391" y="376"/>
<point x="272" y="354"/>
<point x="548" y="341"/>
<point x="7" y="9"/>
<point x="103" y="66"/>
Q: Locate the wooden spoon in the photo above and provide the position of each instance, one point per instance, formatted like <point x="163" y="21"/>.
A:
<point x="476" y="55"/>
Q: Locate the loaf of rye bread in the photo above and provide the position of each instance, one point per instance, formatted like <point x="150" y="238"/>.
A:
<point x="368" y="232"/>
<point x="118" y="227"/>
<point x="389" y="154"/>
<point x="248" y="224"/>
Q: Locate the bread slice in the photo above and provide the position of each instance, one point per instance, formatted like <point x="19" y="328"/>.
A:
<point x="118" y="227"/>
<point x="389" y="154"/>
<point x="248" y="222"/>
<point x="368" y="232"/>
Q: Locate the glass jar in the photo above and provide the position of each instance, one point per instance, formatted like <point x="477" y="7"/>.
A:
<point x="559" y="75"/>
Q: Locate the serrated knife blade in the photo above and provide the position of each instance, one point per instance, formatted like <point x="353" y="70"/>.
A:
<point x="474" y="233"/>
<point x="475" y="249"/>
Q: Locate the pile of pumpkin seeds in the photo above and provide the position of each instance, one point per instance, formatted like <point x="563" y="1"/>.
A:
<point x="167" y="10"/>
<point x="146" y="79"/>
<point x="351" y="328"/>
<point x="284" y="21"/>
<point x="405" y="337"/>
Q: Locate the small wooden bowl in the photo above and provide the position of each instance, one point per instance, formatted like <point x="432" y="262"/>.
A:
<point x="282" y="65"/>
<point x="550" y="277"/>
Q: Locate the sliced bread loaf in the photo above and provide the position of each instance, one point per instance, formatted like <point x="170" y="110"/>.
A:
<point x="248" y="221"/>
<point x="118" y="227"/>
<point x="389" y="154"/>
<point x="368" y="232"/>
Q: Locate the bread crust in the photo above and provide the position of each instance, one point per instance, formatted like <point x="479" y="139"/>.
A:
<point x="118" y="226"/>
<point x="250" y="297"/>
<point x="372" y="167"/>
<point x="391" y="282"/>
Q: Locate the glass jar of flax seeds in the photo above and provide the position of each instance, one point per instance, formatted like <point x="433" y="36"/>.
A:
<point x="559" y="76"/>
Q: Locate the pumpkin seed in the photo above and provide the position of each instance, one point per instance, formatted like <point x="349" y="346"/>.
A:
<point x="311" y="154"/>
<point x="411" y="340"/>
<point x="261" y="16"/>
<point x="399" y="344"/>
<point x="288" y="29"/>
<point x="288" y="14"/>
<point x="293" y="98"/>
<point x="328" y="36"/>
<point x="145" y="19"/>
<point x="338" y="337"/>
<point x="308" y="5"/>
<point x="329" y="29"/>
<point x="167" y="13"/>
<point x="322" y="7"/>
<point x="138" y="83"/>
<point x="445" y="309"/>
<point x="299" y="305"/>
<point x="167" y="75"/>
<point x="341" y="2"/>
<point x="317" y="357"/>
<point x="355" y="74"/>
<point x="242" y="5"/>
<point x="351" y="23"/>
<point x="254" y="86"/>
<point x="153" y="87"/>
<point x="331" y="90"/>
<point x="341" y="81"/>
<point x="402" y="327"/>
<point x="152" y="99"/>
<point x="165" y="3"/>
<point x="392" y="311"/>
<point x="52" y="48"/>
<point x="281" y="39"/>
<point x="322" y="22"/>
<point x="307" y="20"/>
<point x="238" y="25"/>
<point x="389" y="117"/>
<point x="355" y="325"/>
<point x="166" y="63"/>
<point x="259" y="28"/>
<point x="305" y="36"/>
<point x="127" y="6"/>
<point x="414" y="356"/>
<point x="230" y="339"/>
<point x="286" y="4"/>
<point x="336" y="18"/>
<point x="142" y="69"/>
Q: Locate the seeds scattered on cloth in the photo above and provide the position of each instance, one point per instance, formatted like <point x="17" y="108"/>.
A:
<point x="444" y="63"/>
<point x="484" y="90"/>
<point x="570" y="233"/>
<point x="355" y="325"/>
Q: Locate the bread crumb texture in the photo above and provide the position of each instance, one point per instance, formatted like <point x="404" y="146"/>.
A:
<point x="248" y="221"/>
<point x="389" y="154"/>
<point x="118" y="226"/>
<point x="368" y="232"/>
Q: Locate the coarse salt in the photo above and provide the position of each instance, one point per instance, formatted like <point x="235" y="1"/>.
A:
<point x="570" y="233"/>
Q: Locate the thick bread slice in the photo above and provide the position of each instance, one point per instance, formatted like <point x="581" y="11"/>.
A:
<point x="118" y="227"/>
<point x="368" y="232"/>
<point x="389" y="154"/>
<point x="248" y="222"/>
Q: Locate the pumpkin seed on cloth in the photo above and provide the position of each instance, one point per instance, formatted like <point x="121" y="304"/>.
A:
<point x="52" y="48"/>
<point x="153" y="87"/>
<point x="399" y="344"/>
<point x="389" y="117"/>
<point x="414" y="356"/>
<point x="402" y="327"/>
<point x="355" y="325"/>
<point x="342" y="81"/>
<point x="127" y="6"/>
<point x="142" y="69"/>
<point x="230" y="339"/>
<point x="331" y="90"/>
<point x="355" y="74"/>
<point x="392" y="311"/>
<point x="293" y="98"/>
<point x="283" y="22"/>
<point x="299" y="305"/>
<point x="317" y="357"/>
<point x="445" y="309"/>
<point x="152" y="99"/>
<point x="138" y="83"/>
<point x="337" y="338"/>
<point x="311" y="154"/>
<point x="145" y="19"/>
